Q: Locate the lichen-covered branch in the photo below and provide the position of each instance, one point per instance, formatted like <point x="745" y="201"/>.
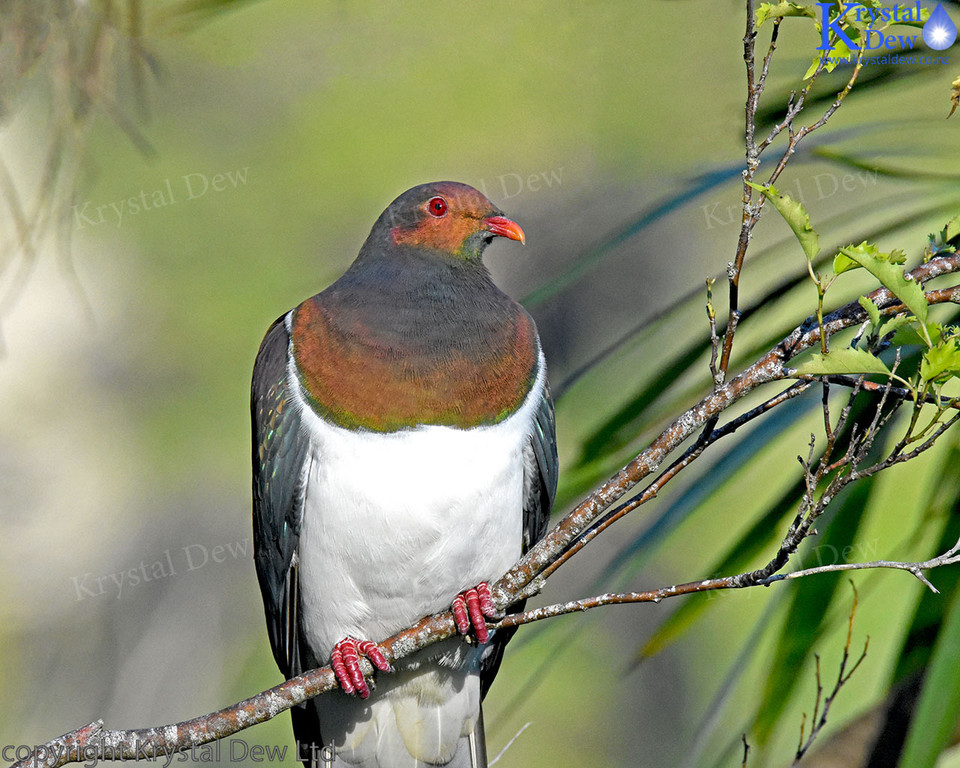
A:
<point x="773" y="366"/>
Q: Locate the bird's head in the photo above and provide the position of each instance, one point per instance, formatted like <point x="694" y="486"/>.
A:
<point x="445" y="216"/>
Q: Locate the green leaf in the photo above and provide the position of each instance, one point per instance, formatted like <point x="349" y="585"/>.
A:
<point x="935" y="717"/>
<point x="916" y="23"/>
<point x="809" y="616"/>
<point x="952" y="230"/>
<point x="796" y="216"/>
<point x="834" y="56"/>
<point x="853" y="256"/>
<point x="910" y="334"/>
<point x="621" y="427"/>
<point x="781" y="10"/>
<point x="843" y="262"/>
<point x="843" y="361"/>
<point x="942" y="361"/>
<point x="895" y="324"/>
<point x="886" y="268"/>
<point x="739" y="557"/>
<point x="871" y="309"/>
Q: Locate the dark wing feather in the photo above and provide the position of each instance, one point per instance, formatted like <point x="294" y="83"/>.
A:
<point x="542" y="485"/>
<point x="279" y="471"/>
<point x="536" y="512"/>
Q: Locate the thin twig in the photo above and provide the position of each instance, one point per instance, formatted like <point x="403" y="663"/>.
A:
<point x="509" y="744"/>
<point x="739" y="581"/>
<point x="751" y="210"/>
<point x="819" y="719"/>
<point x="654" y="488"/>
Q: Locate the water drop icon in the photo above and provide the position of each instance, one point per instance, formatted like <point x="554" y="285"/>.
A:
<point x="939" y="32"/>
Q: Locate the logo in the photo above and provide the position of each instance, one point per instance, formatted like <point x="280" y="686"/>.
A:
<point x="939" y="31"/>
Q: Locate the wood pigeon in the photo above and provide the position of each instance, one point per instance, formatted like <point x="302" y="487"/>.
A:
<point x="404" y="455"/>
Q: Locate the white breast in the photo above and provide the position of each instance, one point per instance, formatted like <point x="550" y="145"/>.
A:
<point x="395" y="525"/>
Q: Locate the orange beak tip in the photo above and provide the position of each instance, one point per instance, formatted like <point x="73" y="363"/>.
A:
<point x="504" y="227"/>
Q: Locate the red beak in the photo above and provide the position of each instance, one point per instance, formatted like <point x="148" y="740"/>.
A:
<point x="504" y="227"/>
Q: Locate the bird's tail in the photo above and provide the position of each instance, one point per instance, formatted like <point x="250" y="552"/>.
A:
<point x="426" y="714"/>
<point x="477" y="745"/>
<point x="388" y="733"/>
<point x="313" y="753"/>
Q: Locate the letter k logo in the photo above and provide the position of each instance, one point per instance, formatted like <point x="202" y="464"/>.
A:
<point x="828" y="26"/>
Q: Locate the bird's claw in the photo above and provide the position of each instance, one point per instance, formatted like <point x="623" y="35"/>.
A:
<point x="470" y="608"/>
<point x="345" y="661"/>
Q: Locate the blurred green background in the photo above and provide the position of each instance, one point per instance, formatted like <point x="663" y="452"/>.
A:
<point x="186" y="172"/>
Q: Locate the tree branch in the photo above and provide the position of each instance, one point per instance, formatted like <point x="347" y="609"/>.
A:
<point x="144" y="743"/>
<point x="593" y="514"/>
<point x="769" y="368"/>
<point x="164" y="740"/>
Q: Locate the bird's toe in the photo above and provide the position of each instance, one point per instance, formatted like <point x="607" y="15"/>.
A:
<point x="471" y="608"/>
<point x="345" y="661"/>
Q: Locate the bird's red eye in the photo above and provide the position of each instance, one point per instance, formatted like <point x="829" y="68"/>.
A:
<point x="437" y="206"/>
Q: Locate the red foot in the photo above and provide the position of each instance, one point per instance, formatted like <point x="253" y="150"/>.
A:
<point x="345" y="661"/>
<point x="469" y="609"/>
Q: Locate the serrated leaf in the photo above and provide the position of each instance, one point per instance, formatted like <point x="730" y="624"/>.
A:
<point x="781" y="10"/>
<point x="942" y="361"/>
<point x="843" y="361"/>
<point x="906" y="334"/>
<point x="796" y="216"/>
<point x="884" y="267"/>
<point x="843" y="262"/>
<point x="871" y="309"/>
<point x="894" y="324"/>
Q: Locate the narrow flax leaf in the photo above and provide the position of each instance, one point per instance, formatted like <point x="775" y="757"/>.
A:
<point x="952" y="230"/>
<point x="808" y="616"/>
<point x="748" y="548"/>
<point x="935" y="717"/>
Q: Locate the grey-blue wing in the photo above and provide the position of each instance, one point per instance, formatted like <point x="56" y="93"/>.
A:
<point x="536" y="517"/>
<point x="280" y="459"/>
<point x="536" y="512"/>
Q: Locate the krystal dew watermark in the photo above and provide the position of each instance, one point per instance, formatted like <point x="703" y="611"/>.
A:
<point x="820" y="556"/>
<point x="939" y="31"/>
<point x="818" y="187"/>
<point x="509" y="185"/>
<point x="168" y="192"/>
<point x="94" y="751"/>
<point x="170" y="562"/>
<point x="828" y="554"/>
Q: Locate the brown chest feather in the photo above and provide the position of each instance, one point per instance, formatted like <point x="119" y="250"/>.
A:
<point x="385" y="379"/>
